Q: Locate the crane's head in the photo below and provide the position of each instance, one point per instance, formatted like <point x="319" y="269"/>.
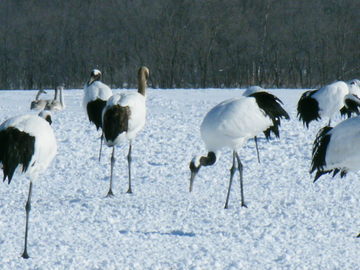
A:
<point x="94" y="76"/>
<point x="194" y="169"/>
<point x="46" y="115"/>
<point x="143" y="73"/>
<point x="199" y="161"/>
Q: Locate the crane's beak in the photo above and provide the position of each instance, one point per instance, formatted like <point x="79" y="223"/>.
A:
<point x="194" y="170"/>
<point x="48" y="118"/>
<point x="90" y="81"/>
<point x="192" y="177"/>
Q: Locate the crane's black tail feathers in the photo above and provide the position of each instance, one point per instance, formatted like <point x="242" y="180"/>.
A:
<point x="116" y="121"/>
<point x="351" y="107"/>
<point x="271" y="105"/>
<point x="308" y="108"/>
<point x="16" y="147"/>
<point x="94" y="110"/>
<point x="319" y="155"/>
<point x="345" y="112"/>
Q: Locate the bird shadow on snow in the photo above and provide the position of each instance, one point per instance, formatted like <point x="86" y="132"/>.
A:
<point x="171" y="233"/>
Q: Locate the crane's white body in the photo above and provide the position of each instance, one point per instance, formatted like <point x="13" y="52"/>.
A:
<point x="331" y="98"/>
<point x="343" y="150"/>
<point x="137" y="106"/>
<point x="96" y="90"/>
<point x="253" y="89"/>
<point x="45" y="142"/>
<point x="232" y="122"/>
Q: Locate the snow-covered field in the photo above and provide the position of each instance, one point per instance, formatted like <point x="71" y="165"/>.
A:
<point x="290" y="222"/>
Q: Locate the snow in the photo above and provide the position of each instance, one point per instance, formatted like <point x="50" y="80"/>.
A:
<point x="290" y="222"/>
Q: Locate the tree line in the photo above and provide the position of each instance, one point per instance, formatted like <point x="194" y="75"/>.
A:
<point x="185" y="43"/>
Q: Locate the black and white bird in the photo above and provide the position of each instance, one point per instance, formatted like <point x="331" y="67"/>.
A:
<point x="123" y="117"/>
<point x="46" y="115"/>
<point x="96" y="94"/>
<point x="230" y="124"/>
<point x="27" y="144"/>
<point x="337" y="150"/>
<point x="325" y="102"/>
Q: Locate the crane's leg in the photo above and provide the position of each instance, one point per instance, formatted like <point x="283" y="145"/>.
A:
<point x="129" y="168"/>
<point x="329" y="124"/>
<point x="27" y="209"/>
<point x="110" y="193"/>
<point x="232" y="172"/>
<point x="240" y="168"/>
<point x="257" y="149"/>
<point x="101" y="143"/>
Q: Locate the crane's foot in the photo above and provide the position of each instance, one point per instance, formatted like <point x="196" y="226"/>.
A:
<point x="358" y="236"/>
<point x="244" y="205"/>
<point x="129" y="191"/>
<point x="110" y="194"/>
<point x="25" y="255"/>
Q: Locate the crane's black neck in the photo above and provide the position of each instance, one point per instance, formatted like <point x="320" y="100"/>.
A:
<point x="93" y="79"/>
<point x="208" y="160"/>
<point x="204" y="161"/>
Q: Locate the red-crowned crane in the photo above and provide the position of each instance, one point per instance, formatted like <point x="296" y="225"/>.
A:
<point x="123" y="117"/>
<point x="28" y="143"/>
<point x="96" y="94"/>
<point x="230" y="124"/>
<point x="325" y="102"/>
<point x="337" y="150"/>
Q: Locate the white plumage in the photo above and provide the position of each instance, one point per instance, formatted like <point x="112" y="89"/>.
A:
<point x="331" y="98"/>
<point x="123" y="117"/>
<point x="253" y="89"/>
<point x="27" y="143"/>
<point x="231" y="123"/>
<point x="95" y="97"/>
<point x="325" y="102"/>
<point x="337" y="149"/>
<point x="95" y="89"/>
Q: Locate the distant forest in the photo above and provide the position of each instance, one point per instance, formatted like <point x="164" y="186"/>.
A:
<point x="185" y="43"/>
